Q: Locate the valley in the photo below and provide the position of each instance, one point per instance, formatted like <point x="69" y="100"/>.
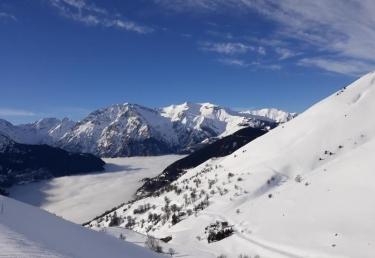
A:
<point x="80" y="198"/>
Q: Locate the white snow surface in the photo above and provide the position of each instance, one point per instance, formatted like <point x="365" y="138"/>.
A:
<point x="26" y="232"/>
<point x="302" y="190"/>
<point x="80" y="198"/>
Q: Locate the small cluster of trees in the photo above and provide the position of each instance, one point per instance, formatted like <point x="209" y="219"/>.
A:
<point x="142" y="209"/>
<point x="115" y="220"/>
<point x="218" y="231"/>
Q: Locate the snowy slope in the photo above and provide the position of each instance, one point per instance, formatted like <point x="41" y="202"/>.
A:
<point x="80" y="198"/>
<point x="26" y="231"/>
<point x="274" y="114"/>
<point x="302" y="190"/>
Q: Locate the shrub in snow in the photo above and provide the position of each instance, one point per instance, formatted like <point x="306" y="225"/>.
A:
<point x="175" y="208"/>
<point x="130" y="222"/>
<point x="115" y="221"/>
<point x="218" y="231"/>
<point x="211" y="183"/>
<point x="171" y="251"/>
<point x="167" y="201"/>
<point x="298" y="179"/>
<point x="271" y="180"/>
<point x="222" y="256"/>
<point x="202" y="205"/>
<point x="122" y="237"/>
<point x="142" y="209"/>
<point x="193" y="195"/>
<point x="175" y="219"/>
<point x="153" y="244"/>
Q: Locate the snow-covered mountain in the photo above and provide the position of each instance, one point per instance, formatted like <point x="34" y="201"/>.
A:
<point x="212" y="119"/>
<point x="26" y="231"/>
<point x="133" y="130"/>
<point x="302" y="190"/>
<point x="122" y="130"/>
<point x="44" y="131"/>
<point x="274" y="114"/>
<point x="130" y="129"/>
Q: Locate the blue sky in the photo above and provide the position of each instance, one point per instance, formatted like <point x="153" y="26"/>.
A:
<point x="69" y="57"/>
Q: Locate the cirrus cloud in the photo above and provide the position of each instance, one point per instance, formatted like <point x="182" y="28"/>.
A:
<point x="338" y="34"/>
<point x="5" y="112"/>
<point x="7" y="16"/>
<point x="89" y="14"/>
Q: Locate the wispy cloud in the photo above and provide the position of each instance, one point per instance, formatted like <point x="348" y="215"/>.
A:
<point x="184" y="5"/>
<point x="234" y="62"/>
<point x="7" y="16"/>
<point x="252" y="65"/>
<point x="340" y="34"/>
<point x="347" y="66"/>
<point x="227" y="48"/>
<point x="89" y="14"/>
<point x="7" y="112"/>
<point x="285" y="53"/>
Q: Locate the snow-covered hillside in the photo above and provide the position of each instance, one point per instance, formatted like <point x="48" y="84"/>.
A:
<point x="26" y="231"/>
<point x="302" y="190"/>
<point x="274" y="114"/>
<point x="80" y="198"/>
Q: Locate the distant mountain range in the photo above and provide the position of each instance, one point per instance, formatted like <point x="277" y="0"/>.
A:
<point x="135" y="130"/>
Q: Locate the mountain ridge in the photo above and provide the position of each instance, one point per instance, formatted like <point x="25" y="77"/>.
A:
<point x="134" y="130"/>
